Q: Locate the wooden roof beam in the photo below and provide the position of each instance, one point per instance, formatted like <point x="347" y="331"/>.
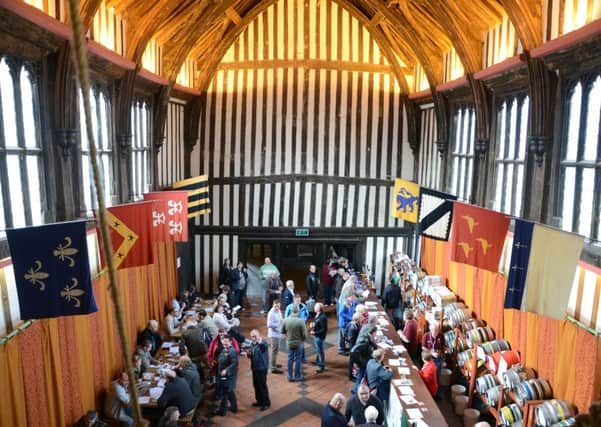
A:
<point x="231" y="13"/>
<point x="525" y="16"/>
<point x="399" y="22"/>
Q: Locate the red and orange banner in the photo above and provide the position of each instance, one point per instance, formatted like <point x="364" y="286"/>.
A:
<point x="478" y="236"/>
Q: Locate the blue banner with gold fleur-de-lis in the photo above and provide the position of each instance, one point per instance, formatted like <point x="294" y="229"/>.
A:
<point x="52" y="270"/>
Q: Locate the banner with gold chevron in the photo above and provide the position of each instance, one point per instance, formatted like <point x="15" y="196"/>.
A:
<point x="198" y="194"/>
<point x="131" y="234"/>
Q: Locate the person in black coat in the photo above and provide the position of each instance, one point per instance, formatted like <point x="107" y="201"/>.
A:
<point x="177" y="393"/>
<point x="312" y="282"/>
<point x="319" y="332"/>
<point x="259" y="363"/>
<point x="225" y="272"/>
<point x="151" y="333"/>
<point x="227" y="376"/>
<point x="239" y="283"/>
<point x="356" y="405"/>
<point x="392" y="303"/>
<point x="331" y="415"/>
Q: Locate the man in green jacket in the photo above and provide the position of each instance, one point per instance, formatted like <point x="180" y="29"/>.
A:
<point x="266" y="270"/>
<point x="296" y="333"/>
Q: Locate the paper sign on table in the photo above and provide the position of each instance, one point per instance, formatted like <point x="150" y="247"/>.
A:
<point x="166" y="345"/>
<point x="174" y="350"/>
<point x="383" y="345"/>
<point x="400" y="348"/>
<point x="403" y="389"/>
<point x="394" y="362"/>
<point x="403" y="370"/>
<point x="409" y="399"/>
<point x="144" y="400"/>
<point x="414" y="413"/>
<point x="155" y="392"/>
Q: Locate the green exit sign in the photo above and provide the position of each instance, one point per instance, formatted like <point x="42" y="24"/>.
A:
<point x="302" y="232"/>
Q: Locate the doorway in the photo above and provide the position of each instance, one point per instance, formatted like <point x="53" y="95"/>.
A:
<point x="294" y="256"/>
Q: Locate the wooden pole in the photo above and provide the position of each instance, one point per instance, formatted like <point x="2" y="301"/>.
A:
<point x="84" y="80"/>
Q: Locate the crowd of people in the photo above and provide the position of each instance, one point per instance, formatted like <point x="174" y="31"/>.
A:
<point x="212" y="341"/>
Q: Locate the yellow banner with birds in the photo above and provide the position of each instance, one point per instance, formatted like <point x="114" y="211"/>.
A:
<point x="405" y="200"/>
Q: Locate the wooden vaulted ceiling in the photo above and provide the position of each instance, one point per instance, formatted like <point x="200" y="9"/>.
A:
<point x="414" y="31"/>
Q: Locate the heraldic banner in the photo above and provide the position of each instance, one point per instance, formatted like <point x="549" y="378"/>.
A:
<point x="477" y="236"/>
<point x="405" y="200"/>
<point x="52" y="270"/>
<point x="169" y="215"/>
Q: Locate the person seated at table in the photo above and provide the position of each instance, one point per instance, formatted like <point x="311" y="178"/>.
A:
<point x="362" y="310"/>
<point x="151" y="332"/>
<point x="90" y="419"/>
<point x="170" y="417"/>
<point x="208" y="324"/>
<point x="371" y="418"/>
<point x="186" y="369"/>
<point x="428" y="373"/>
<point x="136" y="362"/>
<point x="177" y="393"/>
<point x="409" y="334"/>
<point x="118" y="407"/>
<point x="356" y="405"/>
<point x="172" y="322"/>
<point x="144" y="352"/>
<point x="378" y="376"/>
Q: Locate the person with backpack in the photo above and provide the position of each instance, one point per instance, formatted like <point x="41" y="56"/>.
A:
<point x="361" y="354"/>
<point x="352" y="333"/>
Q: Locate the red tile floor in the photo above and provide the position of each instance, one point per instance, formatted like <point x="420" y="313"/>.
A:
<point x="292" y="404"/>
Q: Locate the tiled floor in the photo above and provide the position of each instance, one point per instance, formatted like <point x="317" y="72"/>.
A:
<point x="292" y="404"/>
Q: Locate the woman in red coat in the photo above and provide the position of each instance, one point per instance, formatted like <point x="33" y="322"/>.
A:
<point x="428" y="373"/>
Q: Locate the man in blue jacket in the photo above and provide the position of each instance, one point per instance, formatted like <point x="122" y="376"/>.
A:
<point x="259" y="363"/>
<point x="331" y="415"/>
<point x="345" y="315"/>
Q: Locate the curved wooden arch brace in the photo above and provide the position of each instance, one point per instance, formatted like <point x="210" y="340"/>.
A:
<point x="400" y="23"/>
<point x="383" y="43"/>
<point x="87" y="11"/>
<point x="192" y="33"/>
<point x="526" y="17"/>
<point x="231" y="35"/>
<point x="139" y="36"/>
<point x="467" y="45"/>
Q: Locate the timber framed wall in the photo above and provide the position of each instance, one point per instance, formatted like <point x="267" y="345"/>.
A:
<point x="301" y="131"/>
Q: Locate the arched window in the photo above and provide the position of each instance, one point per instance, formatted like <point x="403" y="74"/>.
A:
<point x="141" y="159"/>
<point x="101" y="114"/>
<point x="580" y="164"/>
<point x="510" y="153"/>
<point x="22" y="195"/>
<point x="462" y="153"/>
